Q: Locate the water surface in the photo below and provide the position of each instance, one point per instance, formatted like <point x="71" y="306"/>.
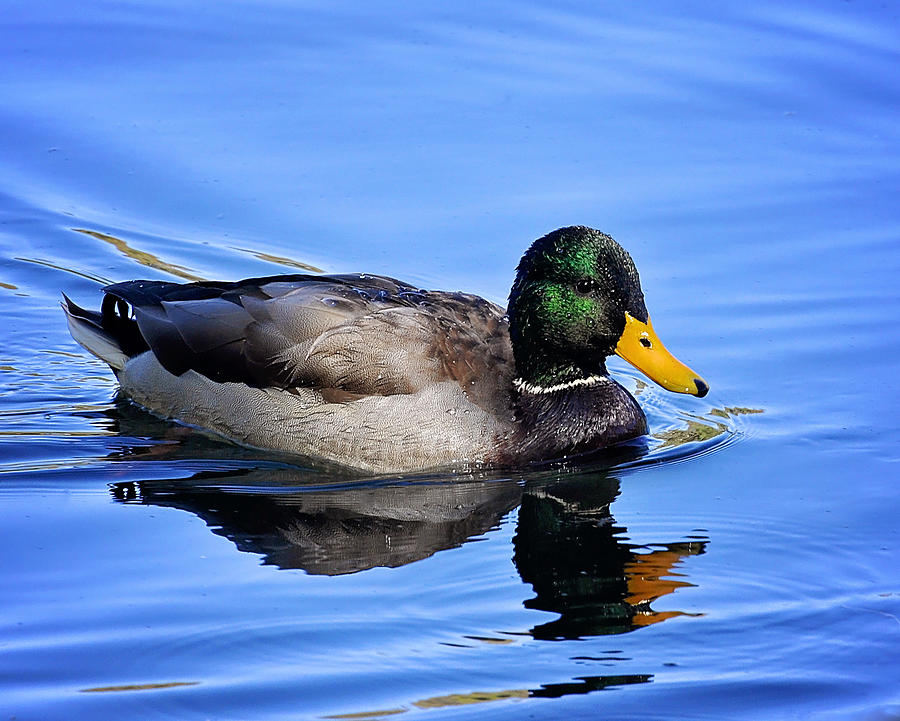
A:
<point x="740" y="563"/>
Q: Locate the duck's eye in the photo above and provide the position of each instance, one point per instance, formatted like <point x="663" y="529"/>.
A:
<point x="646" y="343"/>
<point x="585" y="286"/>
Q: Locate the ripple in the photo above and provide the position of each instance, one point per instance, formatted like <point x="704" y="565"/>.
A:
<point x="678" y="431"/>
<point x="57" y="266"/>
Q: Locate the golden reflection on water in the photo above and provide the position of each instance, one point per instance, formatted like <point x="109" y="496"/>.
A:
<point x="730" y="411"/>
<point x="280" y="260"/>
<point x="698" y="429"/>
<point x="141" y="256"/>
<point x="464" y="699"/>
<point x="152" y="261"/>
<point x="649" y="576"/>
<point x="139" y="686"/>
<point x="368" y="714"/>
<point x="65" y="354"/>
<point x="490" y="640"/>
<point x="453" y="699"/>
<point x="581" y="685"/>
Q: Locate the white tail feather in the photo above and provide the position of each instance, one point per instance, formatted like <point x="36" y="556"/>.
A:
<point x="96" y="341"/>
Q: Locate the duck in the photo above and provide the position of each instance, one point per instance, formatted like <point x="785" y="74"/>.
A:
<point x="380" y="376"/>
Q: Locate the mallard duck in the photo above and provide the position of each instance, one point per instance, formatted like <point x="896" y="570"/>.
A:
<point x="378" y="375"/>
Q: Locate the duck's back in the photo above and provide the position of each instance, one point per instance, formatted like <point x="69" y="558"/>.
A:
<point x="360" y="369"/>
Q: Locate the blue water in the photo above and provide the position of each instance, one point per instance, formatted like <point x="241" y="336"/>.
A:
<point x="741" y="565"/>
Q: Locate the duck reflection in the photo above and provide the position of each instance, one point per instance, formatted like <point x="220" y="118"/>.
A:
<point x="567" y="545"/>
<point x="581" y="566"/>
<point x="333" y="531"/>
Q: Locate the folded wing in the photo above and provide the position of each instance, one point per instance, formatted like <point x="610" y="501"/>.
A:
<point x="350" y="334"/>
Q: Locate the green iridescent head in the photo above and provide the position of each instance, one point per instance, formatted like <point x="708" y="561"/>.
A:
<point x="568" y="305"/>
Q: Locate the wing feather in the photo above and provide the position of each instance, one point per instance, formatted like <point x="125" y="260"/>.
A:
<point x="352" y="334"/>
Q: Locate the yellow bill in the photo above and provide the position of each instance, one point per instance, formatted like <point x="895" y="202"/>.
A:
<point x="641" y="347"/>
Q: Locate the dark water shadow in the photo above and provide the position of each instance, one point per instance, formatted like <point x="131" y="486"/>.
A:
<point x="295" y="522"/>
<point x="582" y="566"/>
<point x="567" y="545"/>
